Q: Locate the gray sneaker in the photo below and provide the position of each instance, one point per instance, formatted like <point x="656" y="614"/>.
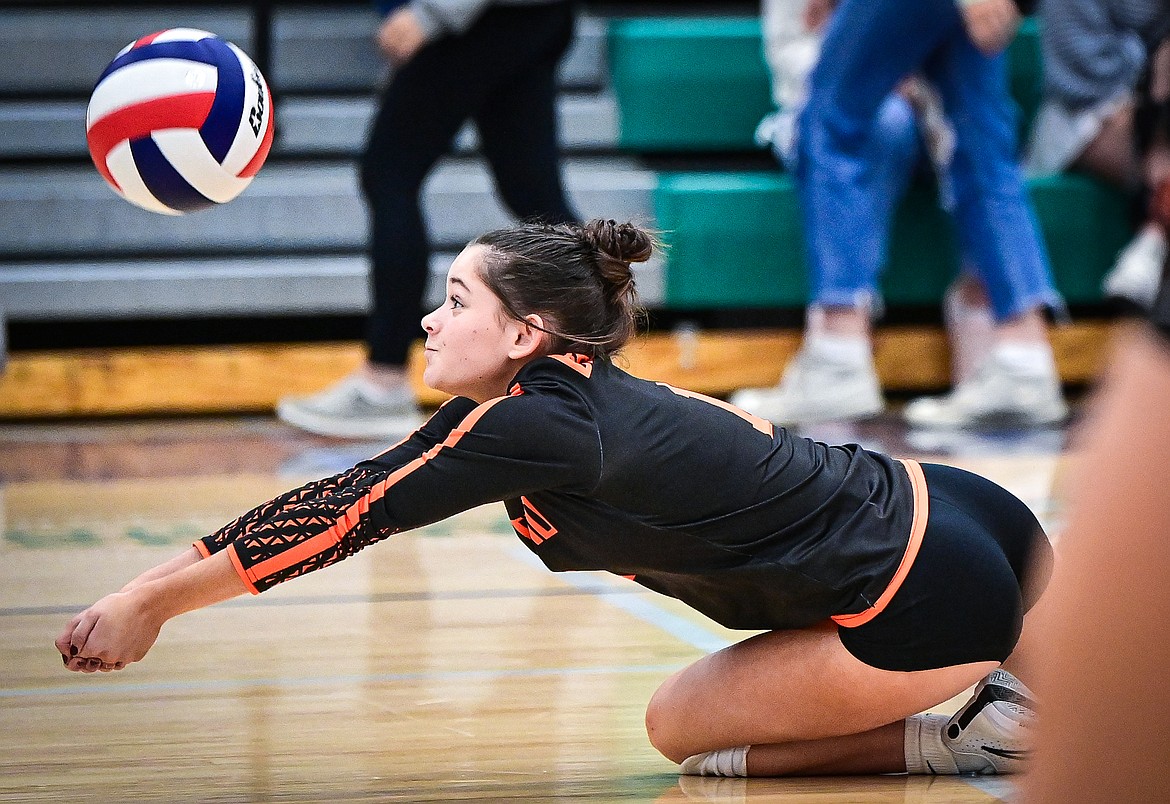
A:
<point x="996" y="396"/>
<point x="345" y="410"/>
<point x="815" y="389"/>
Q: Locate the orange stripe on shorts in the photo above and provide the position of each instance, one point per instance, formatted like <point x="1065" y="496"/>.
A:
<point x="917" y="529"/>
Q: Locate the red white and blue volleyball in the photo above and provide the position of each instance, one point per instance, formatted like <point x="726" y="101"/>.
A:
<point x="180" y="120"/>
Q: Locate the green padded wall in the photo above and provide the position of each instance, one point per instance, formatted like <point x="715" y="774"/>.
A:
<point x="734" y="240"/>
<point x="689" y="83"/>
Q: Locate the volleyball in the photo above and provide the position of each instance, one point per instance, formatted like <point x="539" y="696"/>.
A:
<point x="180" y="120"/>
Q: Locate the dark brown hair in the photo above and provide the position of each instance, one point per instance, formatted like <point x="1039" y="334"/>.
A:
<point x="577" y="277"/>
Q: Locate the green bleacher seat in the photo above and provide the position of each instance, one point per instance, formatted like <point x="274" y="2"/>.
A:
<point x="689" y="84"/>
<point x="1085" y="224"/>
<point x="734" y="240"/>
<point x="701" y="83"/>
<point x="1025" y="73"/>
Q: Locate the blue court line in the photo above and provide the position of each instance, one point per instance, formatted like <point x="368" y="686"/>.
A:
<point x="637" y="605"/>
<point x="100" y="688"/>
<point x="1000" y="788"/>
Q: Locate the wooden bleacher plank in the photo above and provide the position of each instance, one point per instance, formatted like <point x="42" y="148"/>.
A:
<point x="250" y="378"/>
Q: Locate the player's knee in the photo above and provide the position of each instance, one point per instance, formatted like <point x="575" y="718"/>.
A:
<point x="662" y="724"/>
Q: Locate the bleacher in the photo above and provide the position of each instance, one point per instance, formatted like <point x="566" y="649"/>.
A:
<point x="658" y="106"/>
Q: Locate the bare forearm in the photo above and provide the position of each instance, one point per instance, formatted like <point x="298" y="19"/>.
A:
<point x="120" y="628"/>
<point x="194" y="586"/>
<point x="181" y="561"/>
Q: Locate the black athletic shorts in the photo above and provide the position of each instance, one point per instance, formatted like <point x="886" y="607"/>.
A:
<point x="983" y="560"/>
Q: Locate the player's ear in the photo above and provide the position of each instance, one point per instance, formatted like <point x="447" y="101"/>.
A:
<point x="529" y="338"/>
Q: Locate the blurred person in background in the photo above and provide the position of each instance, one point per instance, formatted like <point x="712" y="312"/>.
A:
<point x="856" y="142"/>
<point x="491" y="61"/>
<point x="1104" y="112"/>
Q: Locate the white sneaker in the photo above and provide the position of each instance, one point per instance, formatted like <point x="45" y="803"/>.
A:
<point x="995" y="396"/>
<point x="992" y="733"/>
<point x="1138" y="270"/>
<point x="816" y="389"/>
<point x="353" y="409"/>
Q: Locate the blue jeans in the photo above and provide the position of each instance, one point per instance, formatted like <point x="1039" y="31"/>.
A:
<point x="846" y="161"/>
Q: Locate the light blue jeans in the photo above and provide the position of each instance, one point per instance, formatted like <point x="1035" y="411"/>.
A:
<point x="854" y="159"/>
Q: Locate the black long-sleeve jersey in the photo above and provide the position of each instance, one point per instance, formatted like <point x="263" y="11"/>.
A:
<point x="600" y="470"/>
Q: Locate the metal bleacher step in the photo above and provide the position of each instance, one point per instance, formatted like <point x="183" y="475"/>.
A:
<point x="223" y="287"/>
<point x="306" y="126"/>
<point x="318" y="49"/>
<point x="316" y="53"/>
<point x="313" y="48"/>
<point x="82" y="41"/>
<point x="294" y="242"/>
<point x="323" y="125"/>
<point x="313" y="206"/>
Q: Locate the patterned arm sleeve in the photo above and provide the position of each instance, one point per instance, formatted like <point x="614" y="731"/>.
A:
<point x="261" y="514"/>
<point x="298" y="534"/>
<point x="499" y="450"/>
<point x="333" y="508"/>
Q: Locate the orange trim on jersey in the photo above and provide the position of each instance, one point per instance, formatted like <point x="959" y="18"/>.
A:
<point x="538" y="528"/>
<point x="202" y="548"/>
<point x="521" y="528"/>
<point x="917" y="529"/>
<point x="402" y="441"/>
<point x="532" y="524"/>
<point x="761" y="424"/>
<point x="579" y="363"/>
<point x="340" y="529"/>
<point x="245" y="576"/>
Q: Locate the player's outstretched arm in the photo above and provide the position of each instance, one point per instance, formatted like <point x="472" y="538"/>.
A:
<point x="121" y="627"/>
<point x="184" y="559"/>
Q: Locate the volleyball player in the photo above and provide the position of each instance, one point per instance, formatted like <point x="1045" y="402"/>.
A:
<point x="884" y="587"/>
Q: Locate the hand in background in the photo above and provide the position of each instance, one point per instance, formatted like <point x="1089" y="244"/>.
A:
<point x="817" y="13"/>
<point x="400" y="36"/>
<point x="990" y="24"/>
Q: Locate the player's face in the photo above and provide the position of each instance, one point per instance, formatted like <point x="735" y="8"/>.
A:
<point x="473" y="347"/>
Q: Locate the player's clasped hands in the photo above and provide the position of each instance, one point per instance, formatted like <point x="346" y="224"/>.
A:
<point x="109" y="635"/>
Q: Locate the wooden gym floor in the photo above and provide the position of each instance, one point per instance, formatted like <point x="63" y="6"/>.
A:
<point x="442" y="665"/>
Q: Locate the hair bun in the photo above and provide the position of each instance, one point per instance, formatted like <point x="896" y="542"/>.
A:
<point x="624" y="242"/>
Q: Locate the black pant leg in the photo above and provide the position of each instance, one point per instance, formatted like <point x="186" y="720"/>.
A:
<point x="447" y="82"/>
<point x="421" y="110"/>
<point x="518" y="126"/>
